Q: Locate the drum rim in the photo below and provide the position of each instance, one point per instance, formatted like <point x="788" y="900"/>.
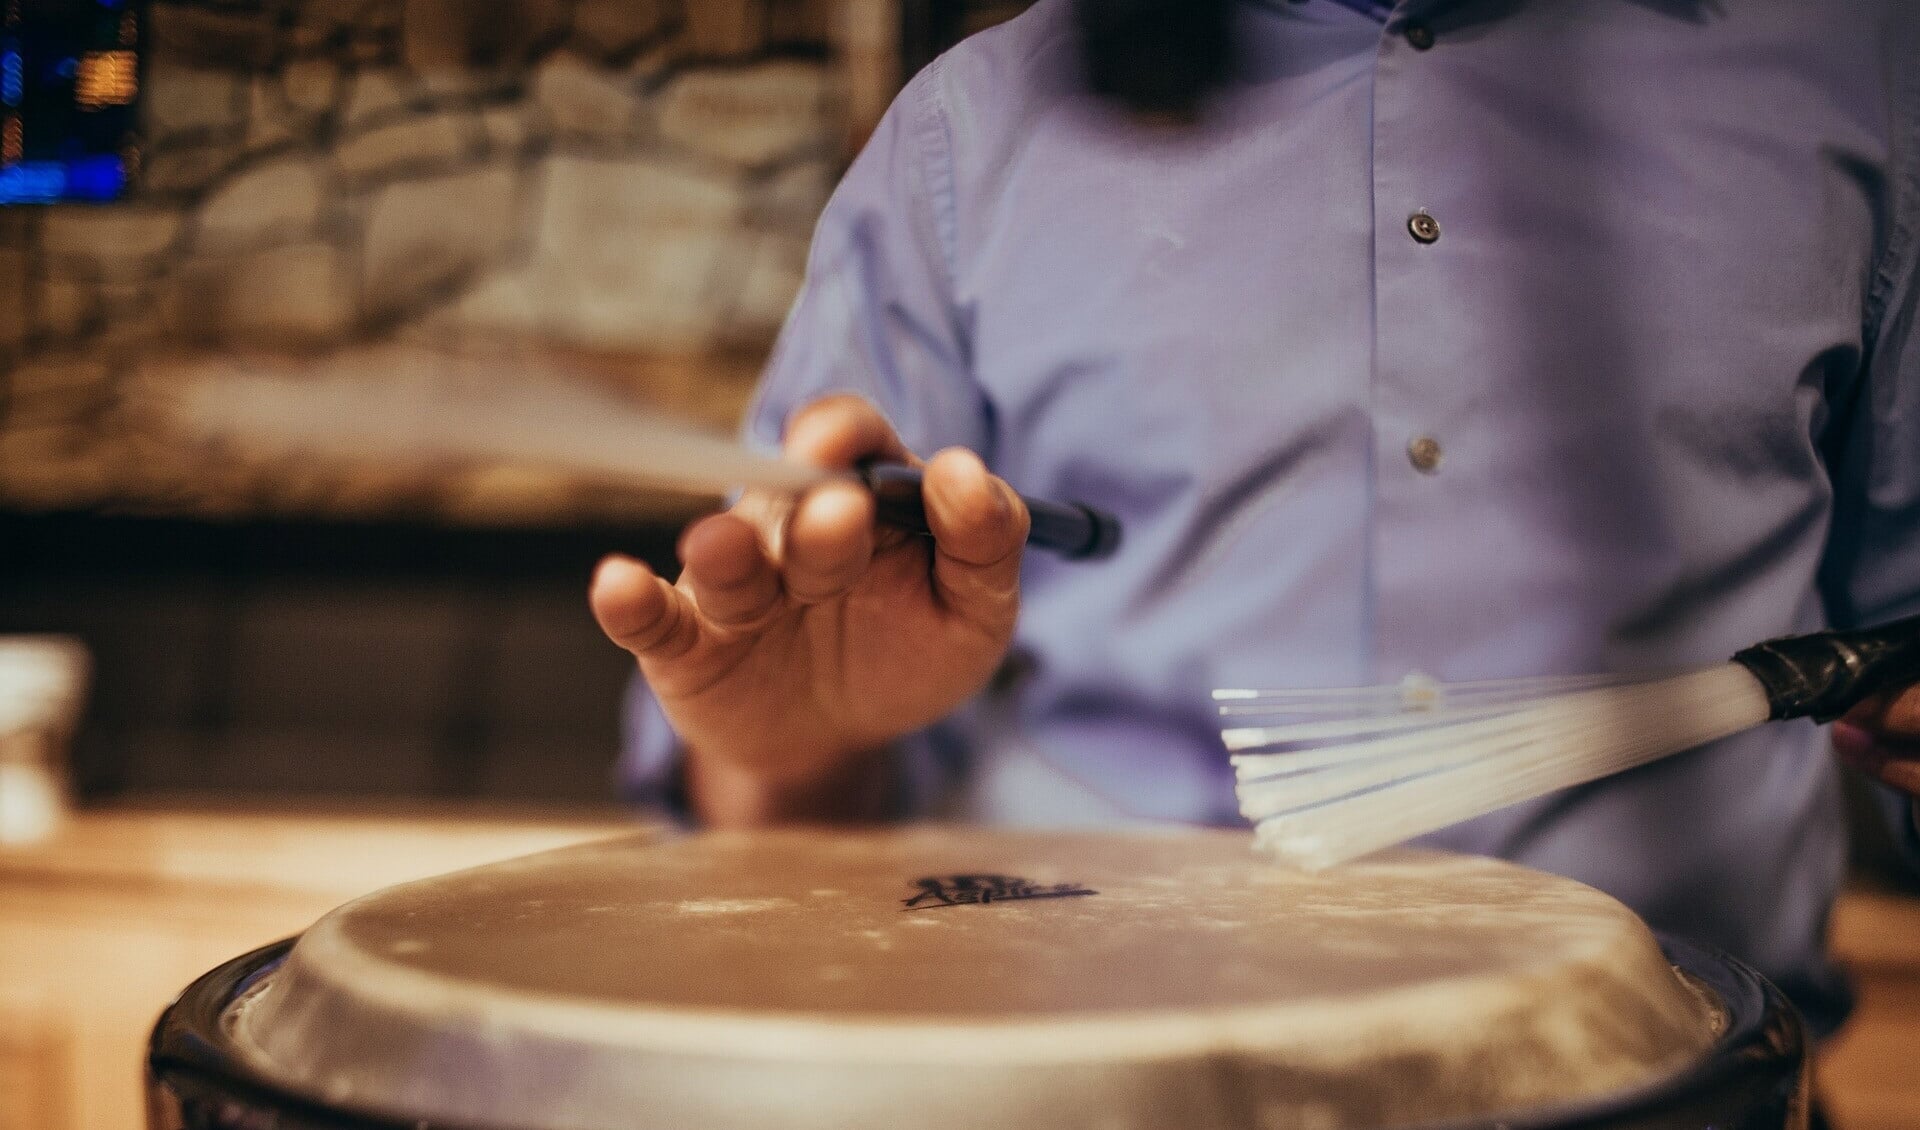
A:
<point x="1761" y="1023"/>
<point x="191" y="1042"/>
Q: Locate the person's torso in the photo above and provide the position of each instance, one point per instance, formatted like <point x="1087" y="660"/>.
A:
<point x="1579" y="430"/>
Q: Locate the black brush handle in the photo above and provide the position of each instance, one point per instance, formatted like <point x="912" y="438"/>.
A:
<point x="1824" y="675"/>
<point x="1070" y="529"/>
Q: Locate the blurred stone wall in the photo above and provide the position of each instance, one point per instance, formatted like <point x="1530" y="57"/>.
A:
<point x="620" y="188"/>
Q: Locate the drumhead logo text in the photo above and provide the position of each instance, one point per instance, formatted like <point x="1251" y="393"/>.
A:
<point x="978" y="890"/>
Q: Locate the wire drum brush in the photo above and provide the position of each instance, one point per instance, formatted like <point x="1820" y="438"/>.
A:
<point x="1328" y="775"/>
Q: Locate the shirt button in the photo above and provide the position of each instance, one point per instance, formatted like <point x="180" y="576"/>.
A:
<point x="1419" y="36"/>
<point x="1424" y="453"/>
<point x="1422" y="227"/>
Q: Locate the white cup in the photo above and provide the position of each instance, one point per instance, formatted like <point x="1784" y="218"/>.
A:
<point x="42" y="688"/>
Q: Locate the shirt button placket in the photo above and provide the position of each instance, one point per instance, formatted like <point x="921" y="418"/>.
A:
<point x="1413" y="400"/>
<point x="1422" y="451"/>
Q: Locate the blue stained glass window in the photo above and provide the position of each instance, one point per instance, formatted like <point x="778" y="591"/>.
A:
<point x="33" y="182"/>
<point x="13" y="79"/>
<point x="96" y="178"/>
<point x="69" y="89"/>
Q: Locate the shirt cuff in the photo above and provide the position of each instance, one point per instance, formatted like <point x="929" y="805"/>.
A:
<point x="653" y="765"/>
<point x="653" y="762"/>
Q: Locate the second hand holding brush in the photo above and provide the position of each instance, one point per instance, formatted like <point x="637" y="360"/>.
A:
<point x="1348" y="771"/>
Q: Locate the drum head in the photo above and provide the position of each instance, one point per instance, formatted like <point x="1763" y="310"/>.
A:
<point x="949" y="978"/>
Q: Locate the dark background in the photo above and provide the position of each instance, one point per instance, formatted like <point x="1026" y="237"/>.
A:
<point x="329" y="658"/>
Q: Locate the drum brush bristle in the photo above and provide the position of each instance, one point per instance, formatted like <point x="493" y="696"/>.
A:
<point x="1332" y="774"/>
<point x="452" y="415"/>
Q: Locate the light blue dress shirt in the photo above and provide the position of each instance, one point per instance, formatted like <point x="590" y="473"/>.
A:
<point x="1662" y="347"/>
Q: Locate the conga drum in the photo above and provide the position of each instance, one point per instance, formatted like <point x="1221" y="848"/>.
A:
<point x="942" y="979"/>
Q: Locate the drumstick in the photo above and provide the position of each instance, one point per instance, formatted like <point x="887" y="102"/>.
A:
<point x="1365" y="768"/>
<point x="566" y="427"/>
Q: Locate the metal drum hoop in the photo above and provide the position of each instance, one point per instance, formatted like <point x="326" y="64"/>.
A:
<point x="1753" y="1078"/>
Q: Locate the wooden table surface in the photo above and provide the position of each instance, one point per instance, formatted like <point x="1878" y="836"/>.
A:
<point x="1869" y="1076"/>
<point x="101" y="927"/>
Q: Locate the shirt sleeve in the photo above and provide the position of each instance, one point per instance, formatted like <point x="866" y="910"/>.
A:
<point x="1872" y="569"/>
<point x="876" y="316"/>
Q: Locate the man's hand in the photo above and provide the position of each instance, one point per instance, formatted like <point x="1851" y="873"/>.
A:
<point x="801" y="639"/>
<point x="1881" y="738"/>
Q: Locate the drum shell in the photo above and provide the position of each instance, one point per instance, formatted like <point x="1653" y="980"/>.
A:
<point x="1753" y="1078"/>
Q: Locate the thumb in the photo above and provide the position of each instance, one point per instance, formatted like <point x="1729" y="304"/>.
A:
<point x="979" y="529"/>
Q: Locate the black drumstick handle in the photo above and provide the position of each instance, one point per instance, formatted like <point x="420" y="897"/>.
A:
<point x="1824" y="675"/>
<point x="1073" y="530"/>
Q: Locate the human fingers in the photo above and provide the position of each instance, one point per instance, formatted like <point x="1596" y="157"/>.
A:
<point x="1880" y="739"/>
<point x="824" y="541"/>
<point x="1899" y="714"/>
<point x="640" y="611"/>
<point x="979" y="528"/>
<point x="840" y="431"/>
<point x="836" y="432"/>
<point x="735" y="585"/>
<point x="828" y="542"/>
